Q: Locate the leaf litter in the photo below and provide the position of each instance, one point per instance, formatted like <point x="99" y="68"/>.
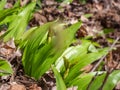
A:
<point x="104" y="14"/>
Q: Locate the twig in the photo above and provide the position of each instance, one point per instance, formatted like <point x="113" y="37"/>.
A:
<point x="94" y="68"/>
<point x="107" y="75"/>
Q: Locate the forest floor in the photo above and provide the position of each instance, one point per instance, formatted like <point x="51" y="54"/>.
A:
<point x="96" y="15"/>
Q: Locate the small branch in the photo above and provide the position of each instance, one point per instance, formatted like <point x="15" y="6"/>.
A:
<point x="94" y="68"/>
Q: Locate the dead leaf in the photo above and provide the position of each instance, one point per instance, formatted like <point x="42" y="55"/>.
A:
<point x="87" y="68"/>
<point x="40" y="18"/>
<point x="4" y="87"/>
<point x="35" y="87"/>
<point x="17" y="87"/>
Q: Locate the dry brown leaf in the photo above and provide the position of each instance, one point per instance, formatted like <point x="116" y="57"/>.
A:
<point x="24" y="2"/>
<point x="4" y="87"/>
<point x="87" y="68"/>
<point x="17" y="87"/>
<point x="35" y="87"/>
<point x="40" y="18"/>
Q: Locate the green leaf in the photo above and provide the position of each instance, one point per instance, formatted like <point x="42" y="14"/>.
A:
<point x="83" y="61"/>
<point x="72" y="52"/>
<point x="2" y="4"/>
<point x="112" y="80"/>
<point x="59" y="80"/>
<point x="8" y="19"/>
<point x="7" y="12"/>
<point x="92" y="48"/>
<point x="33" y="42"/>
<point x="18" y="26"/>
<point x="82" y="81"/>
<point x="40" y="55"/>
<point x="25" y="37"/>
<point x="61" y="46"/>
<point x="5" y="68"/>
<point x="96" y="84"/>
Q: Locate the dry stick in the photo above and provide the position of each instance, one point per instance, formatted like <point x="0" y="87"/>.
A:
<point x="106" y="77"/>
<point x="100" y="62"/>
<point x="105" y="55"/>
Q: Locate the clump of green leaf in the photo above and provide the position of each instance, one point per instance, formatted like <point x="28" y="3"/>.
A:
<point x="77" y="58"/>
<point x="42" y="50"/>
<point x="17" y="22"/>
<point x="5" y="68"/>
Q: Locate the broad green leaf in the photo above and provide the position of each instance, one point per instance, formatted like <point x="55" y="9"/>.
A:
<point x="92" y="48"/>
<point x="25" y="37"/>
<point x="48" y="52"/>
<point x="81" y="81"/>
<point x="72" y="52"/>
<point x="84" y="80"/>
<point x="97" y="82"/>
<point x="59" y="80"/>
<point x="83" y="61"/>
<point x="61" y="46"/>
<point x="69" y="34"/>
<point x="8" y="19"/>
<point x="33" y="42"/>
<point x="18" y="26"/>
<point x="5" y="68"/>
<point x="7" y="12"/>
<point x="2" y="4"/>
<point x="38" y="35"/>
<point x="112" y="80"/>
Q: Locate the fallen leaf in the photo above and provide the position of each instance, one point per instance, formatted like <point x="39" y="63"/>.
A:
<point x="35" y="87"/>
<point x="17" y="87"/>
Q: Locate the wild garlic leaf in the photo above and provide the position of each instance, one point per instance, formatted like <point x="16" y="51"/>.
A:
<point x="83" y="61"/>
<point x="112" y="80"/>
<point x="18" y="26"/>
<point x="59" y="81"/>
<point x="5" y="68"/>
